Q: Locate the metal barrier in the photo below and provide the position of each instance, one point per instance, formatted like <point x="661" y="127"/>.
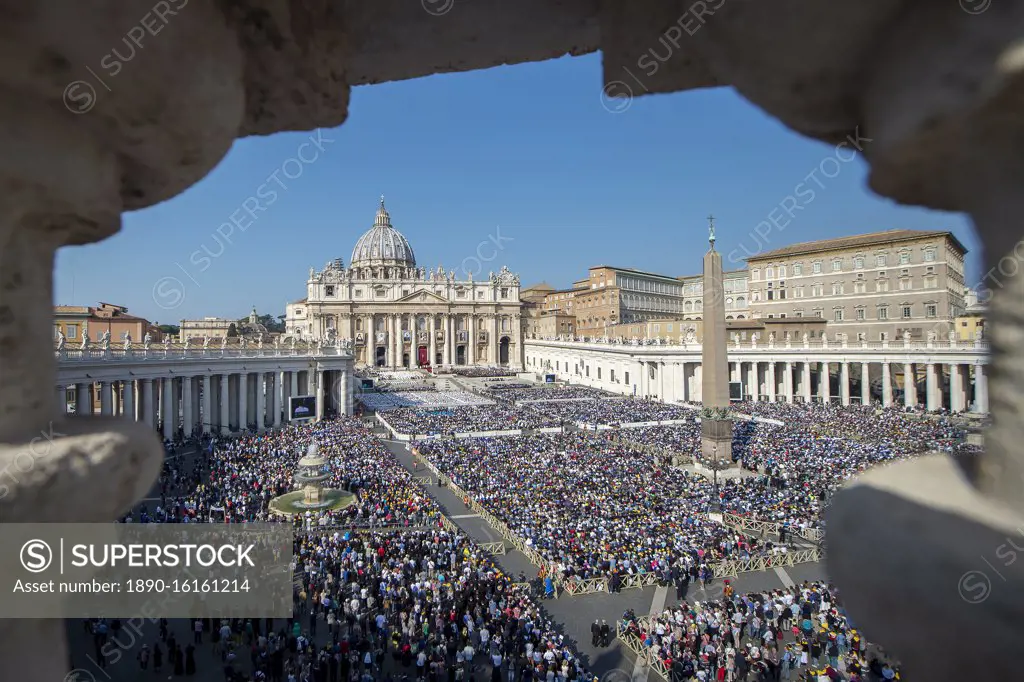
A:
<point x="733" y="567"/>
<point x="747" y="525"/>
<point x="643" y="653"/>
<point x="496" y="548"/>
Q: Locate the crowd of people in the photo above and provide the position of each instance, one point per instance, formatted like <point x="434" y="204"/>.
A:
<point x="796" y="633"/>
<point x="472" y="419"/>
<point x="480" y="372"/>
<point x="590" y="504"/>
<point x="429" y="400"/>
<point x="532" y="392"/>
<point x="613" y="411"/>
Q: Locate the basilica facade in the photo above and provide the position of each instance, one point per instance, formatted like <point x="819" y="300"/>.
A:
<point x="400" y="315"/>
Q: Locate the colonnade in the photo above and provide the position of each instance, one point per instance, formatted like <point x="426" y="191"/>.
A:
<point x="219" y="402"/>
<point x="398" y="337"/>
<point x="954" y="379"/>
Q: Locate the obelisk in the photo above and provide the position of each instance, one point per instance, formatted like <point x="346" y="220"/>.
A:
<point x="716" y="427"/>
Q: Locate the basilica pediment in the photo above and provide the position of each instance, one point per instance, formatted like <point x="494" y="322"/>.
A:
<point x="422" y="297"/>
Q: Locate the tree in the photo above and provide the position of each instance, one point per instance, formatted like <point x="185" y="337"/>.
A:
<point x="169" y="329"/>
<point x="232" y="331"/>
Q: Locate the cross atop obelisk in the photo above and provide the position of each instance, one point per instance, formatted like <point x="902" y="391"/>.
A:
<point x="711" y="231"/>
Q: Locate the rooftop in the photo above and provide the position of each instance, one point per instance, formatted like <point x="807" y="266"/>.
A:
<point x="857" y="240"/>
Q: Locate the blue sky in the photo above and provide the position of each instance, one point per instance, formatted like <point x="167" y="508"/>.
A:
<point x="528" y="158"/>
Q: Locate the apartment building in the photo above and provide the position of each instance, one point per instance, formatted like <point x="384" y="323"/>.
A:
<point x="880" y="284"/>
<point x="612" y="295"/>
<point x="76" y="322"/>
<point x="737" y="298"/>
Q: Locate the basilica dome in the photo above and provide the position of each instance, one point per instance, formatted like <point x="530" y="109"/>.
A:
<point x="382" y="245"/>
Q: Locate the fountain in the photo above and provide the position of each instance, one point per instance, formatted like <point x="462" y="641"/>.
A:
<point x="313" y="496"/>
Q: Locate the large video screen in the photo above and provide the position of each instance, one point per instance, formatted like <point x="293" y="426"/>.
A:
<point x="302" y="407"/>
<point x="367" y="384"/>
<point x="735" y="390"/>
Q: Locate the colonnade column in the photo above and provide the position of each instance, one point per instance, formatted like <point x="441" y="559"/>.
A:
<point x="83" y="399"/>
<point x="432" y="341"/>
<point x="186" y="405"/>
<point x="146" y="401"/>
<point x="788" y="381"/>
<point x="886" y="385"/>
<point x="909" y="385"/>
<point x="980" y="389"/>
<point x="865" y="383"/>
<point x="105" y="398"/>
<point x="319" y="394"/>
<point x="166" y="407"/>
<point x="825" y="384"/>
<point x="205" y="415"/>
<point x="261" y="401"/>
<point x="933" y="392"/>
<point x="243" y="401"/>
<point x="957" y="399"/>
<point x="754" y="379"/>
<point x="129" y="399"/>
<point x="844" y="383"/>
<point x="225" y="404"/>
<point x="806" y="382"/>
<point x="449" y="339"/>
<point x="771" y="381"/>
<point x="399" y="342"/>
<point x="471" y="344"/>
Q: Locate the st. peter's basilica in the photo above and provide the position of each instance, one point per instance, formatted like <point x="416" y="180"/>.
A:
<point x="400" y="315"/>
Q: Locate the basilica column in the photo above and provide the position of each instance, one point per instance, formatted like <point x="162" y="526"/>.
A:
<point x="471" y="345"/>
<point x="886" y="384"/>
<point x="243" y="401"/>
<point x="517" y="340"/>
<point x="773" y="385"/>
<point x="449" y="339"/>
<point x="397" y="364"/>
<point x="294" y="384"/>
<point x="865" y="383"/>
<point x="432" y="341"/>
<point x="344" y="394"/>
<point x="414" y="345"/>
<point x="319" y="394"/>
<point x="754" y="381"/>
<point x="187" y="404"/>
<point x="261" y="402"/>
<point x="369" y="340"/>
<point x="494" y="339"/>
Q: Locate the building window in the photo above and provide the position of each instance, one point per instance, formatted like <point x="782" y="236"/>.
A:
<point x="329" y="290"/>
<point x="358" y="293"/>
<point x="461" y="293"/>
<point x="613" y="376"/>
<point x="882" y="285"/>
<point x="816" y="267"/>
<point x="905" y="284"/>
<point x="72" y="331"/>
<point x="836" y="289"/>
<point x="929" y="255"/>
<point x="504" y="292"/>
<point x="625" y="377"/>
<point x="782" y="272"/>
<point x="880" y="260"/>
<point x="755" y="274"/>
<point x="904" y="257"/>
<point x="931" y="310"/>
<point x="860" y="313"/>
<point x="906" y="312"/>
<point x="858" y="262"/>
<point x="838" y="315"/>
<point x="837" y="265"/>
<point x="669" y="327"/>
<point x="769" y="273"/>
<point x="858" y="287"/>
<point x="598" y="372"/>
<point x="782" y="316"/>
<point x="800" y="313"/>
<point x="798" y="270"/>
